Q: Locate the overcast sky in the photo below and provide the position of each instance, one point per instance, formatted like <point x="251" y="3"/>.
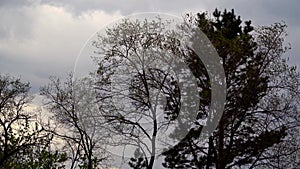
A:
<point x="43" y="38"/>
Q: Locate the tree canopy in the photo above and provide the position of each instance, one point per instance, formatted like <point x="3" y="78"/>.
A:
<point x="259" y="124"/>
<point x="133" y="99"/>
<point x="23" y="142"/>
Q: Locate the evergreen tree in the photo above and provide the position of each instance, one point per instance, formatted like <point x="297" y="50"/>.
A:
<point x="261" y="104"/>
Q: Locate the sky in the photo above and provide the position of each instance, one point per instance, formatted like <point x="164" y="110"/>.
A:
<point x="39" y="38"/>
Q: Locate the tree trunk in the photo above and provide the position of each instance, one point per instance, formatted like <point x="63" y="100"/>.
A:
<point x="220" y="162"/>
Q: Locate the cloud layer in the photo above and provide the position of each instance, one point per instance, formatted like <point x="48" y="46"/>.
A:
<point x="43" y="38"/>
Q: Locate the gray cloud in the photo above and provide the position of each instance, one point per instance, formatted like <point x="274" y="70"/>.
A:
<point x="285" y="10"/>
<point x="43" y="38"/>
<point x="125" y="7"/>
<point x="14" y="3"/>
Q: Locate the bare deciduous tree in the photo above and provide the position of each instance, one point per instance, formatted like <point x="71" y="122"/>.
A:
<point x="76" y="121"/>
<point x="20" y="130"/>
